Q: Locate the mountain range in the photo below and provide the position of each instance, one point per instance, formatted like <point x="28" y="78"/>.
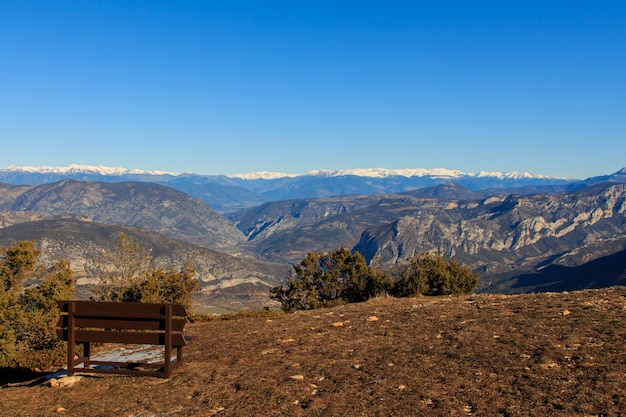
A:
<point x="236" y="192"/>
<point x="521" y="232"/>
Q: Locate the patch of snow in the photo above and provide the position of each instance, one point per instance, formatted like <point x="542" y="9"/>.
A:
<point x="84" y="169"/>
<point x="511" y="175"/>
<point x="128" y="353"/>
<point x="383" y="172"/>
<point x="422" y="172"/>
<point x="262" y="175"/>
<point x="267" y="175"/>
<point x="134" y="353"/>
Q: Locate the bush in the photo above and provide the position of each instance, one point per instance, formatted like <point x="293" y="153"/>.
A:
<point x="429" y="274"/>
<point x="326" y="279"/>
<point x="28" y="316"/>
<point x="163" y="286"/>
<point x="127" y="273"/>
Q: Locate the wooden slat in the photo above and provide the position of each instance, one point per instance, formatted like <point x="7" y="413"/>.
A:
<point x="178" y="325"/>
<point x="138" y="338"/>
<point x="123" y="372"/>
<point x="83" y="360"/>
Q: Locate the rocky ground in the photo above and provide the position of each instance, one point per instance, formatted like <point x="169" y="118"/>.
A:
<point x="484" y="355"/>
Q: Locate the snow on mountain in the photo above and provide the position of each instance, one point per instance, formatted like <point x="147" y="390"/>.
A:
<point x="383" y="173"/>
<point x="230" y="193"/>
<point x="263" y="175"/>
<point x="512" y="175"/>
<point x="439" y="173"/>
<point x="84" y="169"/>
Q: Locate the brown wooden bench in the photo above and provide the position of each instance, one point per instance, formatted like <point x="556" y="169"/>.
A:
<point x="86" y="322"/>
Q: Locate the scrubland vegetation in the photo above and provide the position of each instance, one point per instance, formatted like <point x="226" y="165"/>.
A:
<point x="327" y="279"/>
<point x="126" y="273"/>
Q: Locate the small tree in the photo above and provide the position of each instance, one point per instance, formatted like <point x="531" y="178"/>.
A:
<point x="18" y="263"/>
<point x="128" y="273"/>
<point x="324" y="279"/>
<point x="120" y="268"/>
<point x="28" y="316"/>
<point x="164" y="286"/>
<point x="429" y="274"/>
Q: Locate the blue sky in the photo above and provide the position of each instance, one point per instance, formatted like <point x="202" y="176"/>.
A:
<point x="223" y="87"/>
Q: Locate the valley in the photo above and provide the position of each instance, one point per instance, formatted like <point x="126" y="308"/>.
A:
<point x="522" y="234"/>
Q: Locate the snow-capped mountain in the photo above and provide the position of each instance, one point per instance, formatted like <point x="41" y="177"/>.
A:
<point x="83" y="169"/>
<point x="262" y="175"/>
<point x="385" y="173"/>
<point x="227" y="193"/>
<point x="74" y="169"/>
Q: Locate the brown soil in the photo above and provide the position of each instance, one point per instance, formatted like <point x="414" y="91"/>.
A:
<point x="483" y="355"/>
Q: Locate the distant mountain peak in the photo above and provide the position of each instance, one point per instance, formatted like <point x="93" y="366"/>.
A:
<point x="383" y="172"/>
<point x="439" y="173"/>
<point x="262" y="175"/>
<point x="84" y="169"/>
<point x="514" y="174"/>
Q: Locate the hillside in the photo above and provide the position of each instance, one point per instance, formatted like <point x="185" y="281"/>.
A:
<point x="605" y="271"/>
<point x="228" y="282"/>
<point x="493" y="235"/>
<point x="551" y="354"/>
<point x="150" y="206"/>
<point x="261" y="222"/>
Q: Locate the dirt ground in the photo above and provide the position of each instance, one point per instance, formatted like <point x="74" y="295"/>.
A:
<point x="483" y="355"/>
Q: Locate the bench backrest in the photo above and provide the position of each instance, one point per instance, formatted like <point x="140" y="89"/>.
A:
<point x="113" y="322"/>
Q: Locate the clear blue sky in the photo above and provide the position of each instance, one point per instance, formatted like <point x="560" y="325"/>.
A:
<point x="222" y="87"/>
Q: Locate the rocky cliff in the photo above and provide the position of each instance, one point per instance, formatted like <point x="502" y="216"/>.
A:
<point x="501" y="233"/>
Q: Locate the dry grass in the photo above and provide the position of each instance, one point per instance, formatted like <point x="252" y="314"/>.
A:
<point x="483" y="355"/>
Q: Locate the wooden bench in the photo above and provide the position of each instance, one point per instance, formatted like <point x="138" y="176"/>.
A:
<point x="86" y="322"/>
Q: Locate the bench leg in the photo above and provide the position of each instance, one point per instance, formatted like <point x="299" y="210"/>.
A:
<point x="167" y="368"/>
<point x="179" y="355"/>
<point x="87" y="354"/>
<point x="71" y="339"/>
<point x="70" y="358"/>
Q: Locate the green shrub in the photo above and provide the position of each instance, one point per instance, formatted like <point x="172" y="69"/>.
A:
<point x="429" y="274"/>
<point x="159" y="285"/>
<point x="28" y="316"/>
<point x="326" y="279"/>
<point x="127" y="273"/>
